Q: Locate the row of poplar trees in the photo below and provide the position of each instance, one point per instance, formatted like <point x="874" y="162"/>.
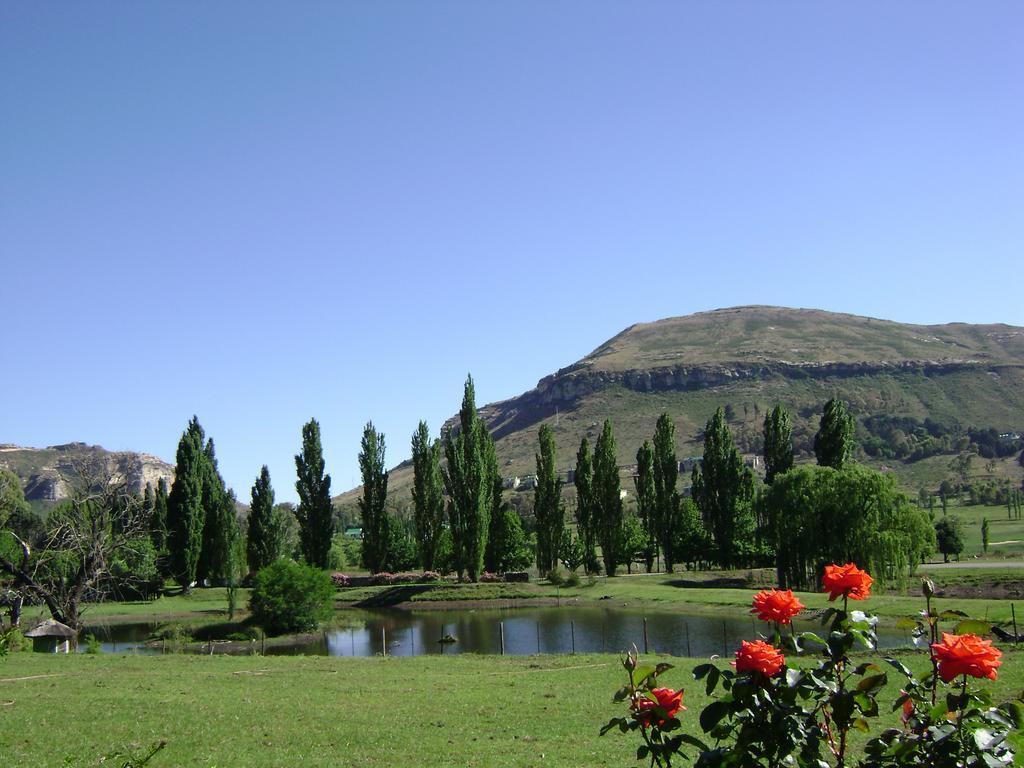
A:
<point x="196" y="527"/>
<point x="477" y="531"/>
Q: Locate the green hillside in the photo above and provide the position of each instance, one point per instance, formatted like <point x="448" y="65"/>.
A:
<point x="957" y="376"/>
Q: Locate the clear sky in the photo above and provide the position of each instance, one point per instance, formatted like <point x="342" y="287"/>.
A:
<point x="263" y="212"/>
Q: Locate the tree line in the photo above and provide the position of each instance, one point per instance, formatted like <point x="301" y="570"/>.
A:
<point x="796" y="519"/>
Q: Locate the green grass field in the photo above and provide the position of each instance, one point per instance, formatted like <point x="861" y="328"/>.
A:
<point x="319" y="711"/>
<point x="1006" y="536"/>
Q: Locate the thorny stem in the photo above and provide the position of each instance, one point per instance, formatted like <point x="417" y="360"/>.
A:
<point x="933" y="634"/>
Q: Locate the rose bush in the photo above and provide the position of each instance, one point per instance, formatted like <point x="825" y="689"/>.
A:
<point x="769" y="713"/>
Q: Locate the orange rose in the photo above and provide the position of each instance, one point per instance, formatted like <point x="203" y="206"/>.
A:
<point x="846" y="581"/>
<point x="966" y="655"/>
<point x="776" y="605"/>
<point x="668" y="700"/>
<point x="759" y="656"/>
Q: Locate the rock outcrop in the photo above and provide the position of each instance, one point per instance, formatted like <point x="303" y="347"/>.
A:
<point x="48" y="474"/>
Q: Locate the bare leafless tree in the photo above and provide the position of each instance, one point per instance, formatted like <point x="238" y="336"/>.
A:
<point x="101" y="522"/>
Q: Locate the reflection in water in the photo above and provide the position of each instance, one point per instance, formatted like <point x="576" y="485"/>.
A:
<point x="541" y="630"/>
<point x="526" y="631"/>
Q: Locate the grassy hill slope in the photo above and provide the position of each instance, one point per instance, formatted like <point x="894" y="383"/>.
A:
<point x="753" y="358"/>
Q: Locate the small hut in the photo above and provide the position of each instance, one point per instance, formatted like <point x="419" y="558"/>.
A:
<point x="51" y="637"/>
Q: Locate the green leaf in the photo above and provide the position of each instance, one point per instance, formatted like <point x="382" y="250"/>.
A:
<point x="805" y="636"/>
<point x="713" y="676"/>
<point x="950" y="615"/>
<point x="712" y="714"/>
<point x="622" y="694"/>
<point x="973" y="627"/>
<point x="906" y="624"/>
<point x="703" y="669"/>
<point x="693" y="741"/>
<point x="861" y="725"/>
<point x="615" y="722"/>
<point x="642" y="673"/>
<point x="1014" y="710"/>
<point x="872" y="683"/>
<point x="862" y="668"/>
<point x="899" y="665"/>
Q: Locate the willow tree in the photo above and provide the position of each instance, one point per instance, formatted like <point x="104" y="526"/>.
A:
<point x="820" y="515"/>
<point x="427" y="495"/>
<point x="547" y="505"/>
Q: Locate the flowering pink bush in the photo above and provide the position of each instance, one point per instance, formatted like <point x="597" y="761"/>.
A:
<point x="340" y="580"/>
<point x="490" y="578"/>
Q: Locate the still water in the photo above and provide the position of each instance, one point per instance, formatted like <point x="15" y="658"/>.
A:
<point x="525" y="631"/>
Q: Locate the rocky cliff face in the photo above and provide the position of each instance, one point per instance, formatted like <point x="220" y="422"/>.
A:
<point x="571" y="384"/>
<point x="48" y="474"/>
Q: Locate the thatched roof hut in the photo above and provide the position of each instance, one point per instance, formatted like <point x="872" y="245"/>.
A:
<point x="52" y="637"/>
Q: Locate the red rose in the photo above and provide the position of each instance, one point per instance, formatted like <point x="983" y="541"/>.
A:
<point x="846" y="581"/>
<point x="776" y="605"/>
<point x="668" y="700"/>
<point x="759" y="656"/>
<point x="966" y="655"/>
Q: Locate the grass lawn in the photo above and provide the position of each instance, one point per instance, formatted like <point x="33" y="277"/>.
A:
<point x="1005" y="536"/>
<point x="320" y="711"/>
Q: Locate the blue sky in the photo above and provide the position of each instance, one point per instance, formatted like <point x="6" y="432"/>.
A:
<point x="263" y="212"/>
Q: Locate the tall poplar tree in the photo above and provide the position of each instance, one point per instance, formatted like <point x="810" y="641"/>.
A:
<point x="646" y="500"/>
<point x="778" y="443"/>
<point x="607" y="500"/>
<point x="469" y="486"/>
<point x="427" y="495"/>
<point x="158" y="527"/>
<point x="834" y="443"/>
<point x="185" y="513"/>
<point x="220" y="527"/>
<point x="666" y="498"/>
<point x="494" y="553"/>
<point x="265" y="542"/>
<point x="314" y="514"/>
<point x="547" y="504"/>
<point x="724" y="492"/>
<point x="583" y="479"/>
<point x="371" y="503"/>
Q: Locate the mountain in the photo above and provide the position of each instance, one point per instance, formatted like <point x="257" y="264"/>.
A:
<point x="894" y="376"/>
<point x="47" y="474"/>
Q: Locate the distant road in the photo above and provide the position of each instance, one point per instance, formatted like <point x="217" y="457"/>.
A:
<point x="975" y="564"/>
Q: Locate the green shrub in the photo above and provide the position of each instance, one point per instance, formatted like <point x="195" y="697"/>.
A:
<point x="92" y="643"/>
<point x="288" y="597"/>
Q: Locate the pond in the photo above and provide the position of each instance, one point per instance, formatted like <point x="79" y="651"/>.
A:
<point x="524" y="631"/>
